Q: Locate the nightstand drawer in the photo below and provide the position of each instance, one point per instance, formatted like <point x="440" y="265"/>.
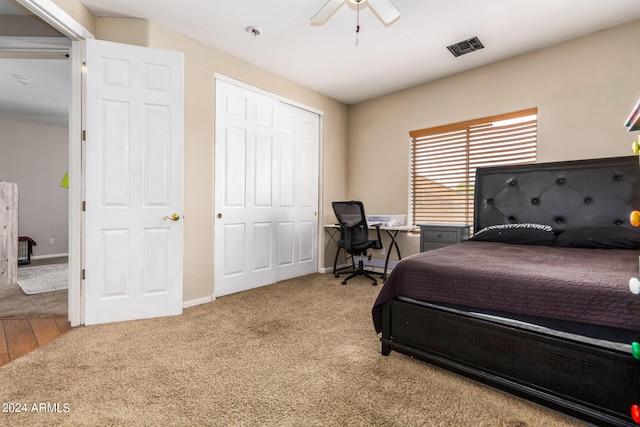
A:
<point x="436" y="236"/>
<point x="441" y="236"/>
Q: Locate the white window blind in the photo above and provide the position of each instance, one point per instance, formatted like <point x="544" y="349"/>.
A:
<point x="444" y="160"/>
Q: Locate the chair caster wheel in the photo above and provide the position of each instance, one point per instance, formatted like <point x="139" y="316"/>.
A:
<point x="344" y="283"/>
<point x="336" y="276"/>
<point x="374" y="284"/>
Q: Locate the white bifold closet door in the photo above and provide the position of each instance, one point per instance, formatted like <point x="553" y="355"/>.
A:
<point x="266" y="189"/>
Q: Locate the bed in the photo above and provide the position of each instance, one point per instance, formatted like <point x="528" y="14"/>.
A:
<point x="537" y="303"/>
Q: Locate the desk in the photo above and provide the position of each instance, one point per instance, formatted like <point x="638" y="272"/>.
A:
<point x="392" y="232"/>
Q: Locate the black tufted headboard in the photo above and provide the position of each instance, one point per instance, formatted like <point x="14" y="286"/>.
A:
<point x="560" y="194"/>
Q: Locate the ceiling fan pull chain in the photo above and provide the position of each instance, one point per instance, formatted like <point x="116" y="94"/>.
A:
<point x="357" y="23"/>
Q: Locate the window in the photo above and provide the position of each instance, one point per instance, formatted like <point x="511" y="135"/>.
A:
<point x="444" y="160"/>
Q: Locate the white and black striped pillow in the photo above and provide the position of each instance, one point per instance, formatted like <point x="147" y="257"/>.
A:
<point x="524" y="234"/>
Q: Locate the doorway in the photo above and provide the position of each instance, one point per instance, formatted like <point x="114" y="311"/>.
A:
<point x="34" y="109"/>
<point x="73" y="32"/>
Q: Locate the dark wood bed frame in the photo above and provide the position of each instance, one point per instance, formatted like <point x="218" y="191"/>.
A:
<point x="588" y="382"/>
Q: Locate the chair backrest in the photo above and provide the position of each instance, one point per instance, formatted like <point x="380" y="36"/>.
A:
<point x="354" y="231"/>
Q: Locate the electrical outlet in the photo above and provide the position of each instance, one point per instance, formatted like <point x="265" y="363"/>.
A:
<point x="52" y="240"/>
<point x="382" y="251"/>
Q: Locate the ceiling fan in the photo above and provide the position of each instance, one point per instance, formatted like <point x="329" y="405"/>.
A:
<point x="385" y="10"/>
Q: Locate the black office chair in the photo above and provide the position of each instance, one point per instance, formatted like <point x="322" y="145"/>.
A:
<point x="354" y="238"/>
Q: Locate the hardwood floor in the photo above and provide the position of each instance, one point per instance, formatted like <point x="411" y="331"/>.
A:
<point x="21" y="336"/>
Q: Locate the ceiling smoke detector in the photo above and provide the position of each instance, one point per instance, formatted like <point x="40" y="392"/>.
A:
<point x="254" y="31"/>
<point x="465" y="46"/>
<point x="22" y="79"/>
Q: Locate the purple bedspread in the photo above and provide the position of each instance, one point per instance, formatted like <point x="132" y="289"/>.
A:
<point x="581" y="285"/>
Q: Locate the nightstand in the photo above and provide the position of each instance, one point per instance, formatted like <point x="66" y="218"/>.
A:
<point x="434" y="236"/>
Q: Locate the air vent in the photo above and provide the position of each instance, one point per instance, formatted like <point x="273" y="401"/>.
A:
<point x="465" y="46"/>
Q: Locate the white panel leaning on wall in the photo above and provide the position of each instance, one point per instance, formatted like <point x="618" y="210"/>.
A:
<point x="8" y="233"/>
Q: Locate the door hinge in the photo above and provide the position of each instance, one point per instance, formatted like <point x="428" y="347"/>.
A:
<point x="84" y="206"/>
<point x="83" y="273"/>
<point x="84" y="135"/>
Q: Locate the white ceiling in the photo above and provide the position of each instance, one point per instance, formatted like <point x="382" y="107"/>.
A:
<point x="45" y="99"/>
<point x="326" y="58"/>
<point x="410" y="51"/>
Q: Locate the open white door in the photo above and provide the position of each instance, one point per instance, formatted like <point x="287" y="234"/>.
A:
<point x="133" y="182"/>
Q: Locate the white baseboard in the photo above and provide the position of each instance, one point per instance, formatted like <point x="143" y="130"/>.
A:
<point x="48" y="256"/>
<point x="330" y="269"/>
<point x="194" y="302"/>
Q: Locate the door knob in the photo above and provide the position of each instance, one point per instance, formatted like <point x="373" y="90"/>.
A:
<point x="173" y="217"/>
<point x="219" y="215"/>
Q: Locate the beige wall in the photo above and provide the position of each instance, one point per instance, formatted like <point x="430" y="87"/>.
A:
<point x="584" y="90"/>
<point x="201" y="64"/>
<point x="77" y="11"/>
<point x="35" y="156"/>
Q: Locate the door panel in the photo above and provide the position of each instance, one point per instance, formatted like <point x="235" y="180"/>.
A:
<point x="286" y="235"/>
<point x="156" y="155"/>
<point x="114" y="250"/>
<point x="234" y="239"/>
<point x="264" y="172"/>
<point x="133" y="182"/>
<point x="307" y="238"/>
<point x="156" y="263"/>
<point x="114" y="181"/>
<point x="263" y="236"/>
<point x="287" y="175"/>
<point x="235" y="141"/>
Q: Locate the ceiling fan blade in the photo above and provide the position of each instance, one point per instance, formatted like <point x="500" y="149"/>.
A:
<point x="326" y="11"/>
<point x="385" y="10"/>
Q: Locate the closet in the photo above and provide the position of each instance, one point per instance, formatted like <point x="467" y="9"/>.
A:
<point x="266" y="188"/>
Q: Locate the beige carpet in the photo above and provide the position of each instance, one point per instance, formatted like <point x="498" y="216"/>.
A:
<point x="298" y="353"/>
<point x="15" y="303"/>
